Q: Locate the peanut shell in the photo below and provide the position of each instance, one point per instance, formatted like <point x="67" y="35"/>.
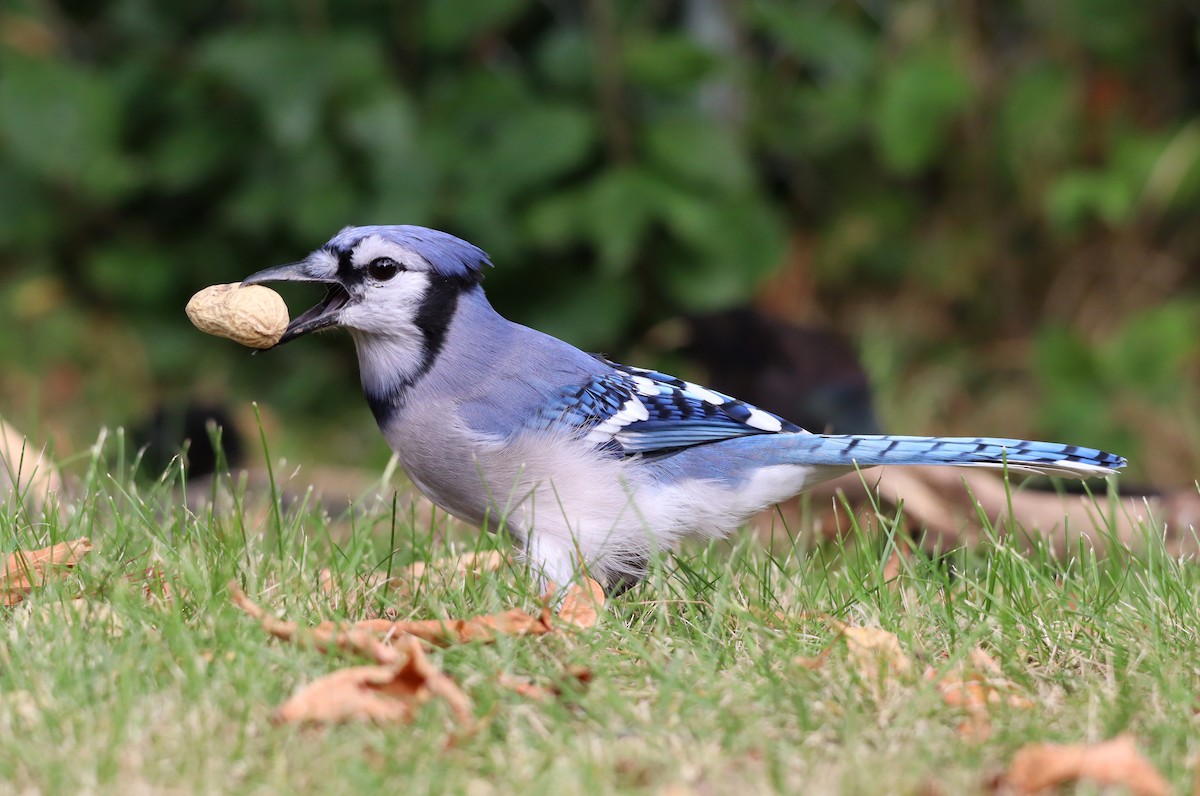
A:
<point x="254" y="315"/>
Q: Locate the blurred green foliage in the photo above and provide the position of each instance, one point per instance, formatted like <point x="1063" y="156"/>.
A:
<point x="935" y="172"/>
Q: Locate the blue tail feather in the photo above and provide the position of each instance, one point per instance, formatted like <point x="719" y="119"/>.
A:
<point x="1050" y="458"/>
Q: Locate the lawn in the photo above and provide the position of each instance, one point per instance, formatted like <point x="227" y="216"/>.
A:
<point x="731" y="669"/>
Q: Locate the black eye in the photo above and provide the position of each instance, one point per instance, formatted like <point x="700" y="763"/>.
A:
<point x="382" y="269"/>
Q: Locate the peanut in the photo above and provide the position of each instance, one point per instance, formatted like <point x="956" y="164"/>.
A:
<point x="254" y="316"/>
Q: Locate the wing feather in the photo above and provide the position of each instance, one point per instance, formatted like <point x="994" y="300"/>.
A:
<point x="631" y="411"/>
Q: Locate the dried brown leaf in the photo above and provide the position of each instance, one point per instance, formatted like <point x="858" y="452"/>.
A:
<point x="976" y="727"/>
<point x="894" y="568"/>
<point x="466" y="564"/>
<point x="976" y="693"/>
<point x="421" y="673"/>
<point x="158" y="586"/>
<point x="527" y="688"/>
<point x="361" y="636"/>
<point x="580" y="674"/>
<point x="325" y="582"/>
<point x="1038" y="767"/>
<point x="875" y="653"/>
<point x="581" y="607"/>
<point x="524" y="686"/>
<point x="976" y="685"/>
<point x="25" y="571"/>
<point x="580" y="610"/>
<point x="384" y="694"/>
<point x="446" y="632"/>
<point x="358" y="693"/>
<point x="813" y="662"/>
<point x="984" y="663"/>
<point x="324" y="637"/>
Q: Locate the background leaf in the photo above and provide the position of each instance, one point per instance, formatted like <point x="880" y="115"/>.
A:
<point x="921" y="96"/>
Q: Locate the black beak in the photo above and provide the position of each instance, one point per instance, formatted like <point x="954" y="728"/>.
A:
<point x="300" y="271"/>
<point x="325" y="314"/>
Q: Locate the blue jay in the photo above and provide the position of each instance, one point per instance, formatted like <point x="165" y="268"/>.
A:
<point x="589" y="465"/>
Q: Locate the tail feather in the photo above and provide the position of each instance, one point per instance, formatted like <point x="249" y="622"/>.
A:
<point x="1018" y="455"/>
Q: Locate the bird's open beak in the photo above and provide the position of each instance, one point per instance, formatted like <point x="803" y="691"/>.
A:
<point x="325" y="314"/>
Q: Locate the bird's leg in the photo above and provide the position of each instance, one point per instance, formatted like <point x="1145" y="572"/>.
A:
<point x="625" y="581"/>
<point x="553" y="562"/>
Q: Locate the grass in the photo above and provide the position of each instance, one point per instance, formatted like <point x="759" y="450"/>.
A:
<point x="696" y="685"/>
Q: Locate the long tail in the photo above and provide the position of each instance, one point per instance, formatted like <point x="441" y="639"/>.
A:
<point x="1018" y="455"/>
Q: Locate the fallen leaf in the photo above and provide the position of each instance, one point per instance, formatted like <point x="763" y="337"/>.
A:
<point x="929" y="787"/>
<point x="157" y="586"/>
<point x="894" y="568"/>
<point x="868" y="647"/>
<point x="580" y="674"/>
<point x="976" y="685"/>
<point x="579" y="611"/>
<point x="974" y="693"/>
<point x="485" y="628"/>
<point x="678" y="789"/>
<point x="977" y="726"/>
<point x="981" y="661"/>
<point x="772" y="618"/>
<point x="813" y="662"/>
<point x="324" y="637"/>
<point x="531" y="690"/>
<point x="875" y="653"/>
<point x="465" y="564"/>
<point x="581" y="607"/>
<point x="387" y="693"/>
<point x="1037" y="767"/>
<point x="25" y="571"/>
<point x="527" y="688"/>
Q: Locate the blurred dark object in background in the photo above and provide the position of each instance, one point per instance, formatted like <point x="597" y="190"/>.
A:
<point x="189" y="428"/>
<point x="809" y="375"/>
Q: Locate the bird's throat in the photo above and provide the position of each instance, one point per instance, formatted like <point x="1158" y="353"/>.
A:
<point x="389" y="368"/>
<point x="391" y="365"/>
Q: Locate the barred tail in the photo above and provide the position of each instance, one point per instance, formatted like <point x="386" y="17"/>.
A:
<point x="1018" y="455"/>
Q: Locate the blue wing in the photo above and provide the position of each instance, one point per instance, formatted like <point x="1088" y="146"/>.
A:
<point x="630" y="411"/>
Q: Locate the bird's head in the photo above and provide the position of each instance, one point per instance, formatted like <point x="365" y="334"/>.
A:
<point x="382" y="281"/>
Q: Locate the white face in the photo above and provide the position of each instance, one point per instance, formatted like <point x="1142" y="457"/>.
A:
<point x="396" y="311"/>
<point x="387" y="284"/>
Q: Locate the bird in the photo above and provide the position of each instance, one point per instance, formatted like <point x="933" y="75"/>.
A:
<point x="591" y="467"/>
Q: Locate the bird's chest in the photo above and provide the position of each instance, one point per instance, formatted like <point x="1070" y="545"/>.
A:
<point x="443" y="463"/>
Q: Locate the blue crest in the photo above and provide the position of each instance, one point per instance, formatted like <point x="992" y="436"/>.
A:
<point x="450" y="256"/>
